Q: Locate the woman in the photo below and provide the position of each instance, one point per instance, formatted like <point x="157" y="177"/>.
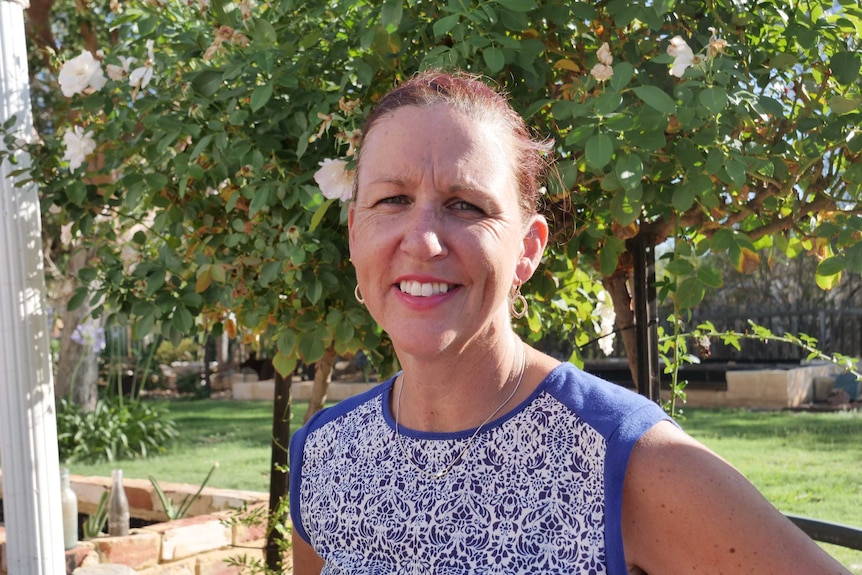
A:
<point x="484" y="455"/>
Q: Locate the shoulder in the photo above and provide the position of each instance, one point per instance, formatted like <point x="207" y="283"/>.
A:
<point x="614" y="411"/>
<point x="342" y="409"/>
<point x="685" y="509"/>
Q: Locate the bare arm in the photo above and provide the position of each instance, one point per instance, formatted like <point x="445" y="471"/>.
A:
<point x="305" y="559"/>
<point x="686" y="510"/>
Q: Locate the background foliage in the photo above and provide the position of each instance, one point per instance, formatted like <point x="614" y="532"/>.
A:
<point x="200" y="211"/>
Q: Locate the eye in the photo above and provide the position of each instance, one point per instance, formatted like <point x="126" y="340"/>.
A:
<point x="465" y="206"/>
<point x="399" y="199"/>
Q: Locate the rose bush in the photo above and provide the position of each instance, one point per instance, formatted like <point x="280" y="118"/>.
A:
<point x="729" y="131"/>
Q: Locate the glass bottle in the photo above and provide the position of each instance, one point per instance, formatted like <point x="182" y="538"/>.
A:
<point x="118" y="506"/>
<point x="70" y="511"/>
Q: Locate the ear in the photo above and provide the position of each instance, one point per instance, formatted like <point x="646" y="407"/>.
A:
<point x="532" y="247"/>
<point x="350" y="209"/>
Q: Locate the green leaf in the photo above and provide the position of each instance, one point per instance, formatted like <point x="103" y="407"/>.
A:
<point x="609" y="255"/>
<point x="831" y="266"/>
<point x="723" y="240"/>
<point x="680" y="267"/>
<point x="156" y="181"/>
<point x="270" y="272"/>
<point x="201" y="146"/>
<point x="494" y="59"/>
<point x="841" y="105"/>
<point x="344" y="331"/>
<point x="284" y="364"/>
<point x="77" y="299"/>
<point x="183" y="320"/>
<point x="714" y="99"/>
<point x="261" y="199"/>
<point x="710" y="276"/>
<point x="736" y="171"/>
<point x="318" y="215"/>
<point x="260" y="30"/>
<point x="315" y="292"/>
<point x="207" y="82"/>
<point x="783" y="60"/>
<point x="853" y="258"/>
<point x="261" y="96"/>
<point x="445" y="24"/>
<point x="845" y="67"/>
<point x="77" y="192"/>
<point x="218" y="273"/>
<point x="690" y="293"/>
<point x="390" y="15"/>
<point x="599" y="150"/>
<point x="656" y="98"/>
<point x="684" y="197"/>
<point x="286" y="341"/>
<point x="144" y="325"/>
<point x="311" y="347"/>
<point x="623" y="73"/>
<point x="629" y="170"/>
<point x="87" y="275"/>
<point x="623" y="209"/>
<point x="608" y="103"/>
<point x="623" y="11"/>
<point x="518" y="5"/>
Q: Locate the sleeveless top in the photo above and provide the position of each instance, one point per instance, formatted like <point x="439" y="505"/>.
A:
<point x="538" y="491"/>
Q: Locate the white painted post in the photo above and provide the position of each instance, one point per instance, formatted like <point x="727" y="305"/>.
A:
<point x="28" y="425"/>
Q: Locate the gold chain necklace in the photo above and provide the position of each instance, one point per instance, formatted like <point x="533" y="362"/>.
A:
<point x="445" y="471"/>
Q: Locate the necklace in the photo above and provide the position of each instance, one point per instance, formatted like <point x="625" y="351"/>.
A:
<point x="445" y="471"/>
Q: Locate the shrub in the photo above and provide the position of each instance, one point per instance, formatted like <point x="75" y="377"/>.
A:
<point x="186" y="350"/>
<point x="116" y="429"/>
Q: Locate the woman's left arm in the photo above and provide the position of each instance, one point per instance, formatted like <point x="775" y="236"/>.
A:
<point x="686" y="510"/>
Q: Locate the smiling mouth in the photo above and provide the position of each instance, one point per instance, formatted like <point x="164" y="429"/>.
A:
<point x="418" y="289"/>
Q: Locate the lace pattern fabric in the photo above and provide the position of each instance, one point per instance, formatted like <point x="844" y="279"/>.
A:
<point x="529" y="497"/>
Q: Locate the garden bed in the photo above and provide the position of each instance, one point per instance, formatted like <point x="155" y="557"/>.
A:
<point x="199" y="544"/>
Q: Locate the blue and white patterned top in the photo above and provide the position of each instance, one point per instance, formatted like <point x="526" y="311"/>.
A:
<point x="539" y="491"/>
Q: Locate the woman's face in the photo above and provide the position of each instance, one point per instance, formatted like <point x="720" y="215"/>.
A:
<point x="436" y="233"/>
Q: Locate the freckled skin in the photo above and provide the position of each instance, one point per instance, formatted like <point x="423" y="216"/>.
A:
<point x="686" y="510"/>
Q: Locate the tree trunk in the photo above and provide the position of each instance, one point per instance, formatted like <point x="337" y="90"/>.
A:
<point x="618" y="286"/>
<point x="322" y="377"/>
<point x="279" y="480"/>
<point x="78" y="365"/>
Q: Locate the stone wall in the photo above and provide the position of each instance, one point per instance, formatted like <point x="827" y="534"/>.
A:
<point x="763" y="388"/>
<point x="200" y="544"/>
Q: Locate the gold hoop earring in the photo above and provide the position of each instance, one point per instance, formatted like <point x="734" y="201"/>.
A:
<point x="357" y="295"/>
<point x="518" y="306"/>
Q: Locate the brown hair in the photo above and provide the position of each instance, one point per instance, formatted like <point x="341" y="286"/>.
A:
<point x="470" y="96"/>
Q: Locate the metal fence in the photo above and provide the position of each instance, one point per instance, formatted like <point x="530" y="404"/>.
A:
<point x="836" y="331"/>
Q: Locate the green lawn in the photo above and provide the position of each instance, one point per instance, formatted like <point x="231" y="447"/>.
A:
<point x="807" y="464"/>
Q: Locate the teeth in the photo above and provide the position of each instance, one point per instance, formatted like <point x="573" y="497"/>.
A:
<point x="415" y="288"/>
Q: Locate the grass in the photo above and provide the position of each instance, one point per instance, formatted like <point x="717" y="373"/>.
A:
<point x="807" y="464"/>
<point x="234" y="434"/>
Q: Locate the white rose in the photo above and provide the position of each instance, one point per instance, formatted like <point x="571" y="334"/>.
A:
<point x="78" y="146"/>
<point x="605" y="326"/>
<point x="683" y="57"/>
<point x="80" y="73"/>
<point x="140" y="77"/>
<point x="604" y="54"/>
<point x="602" y="72"/>
<point x="335" y="180"/>
<point x="119" y="72"/>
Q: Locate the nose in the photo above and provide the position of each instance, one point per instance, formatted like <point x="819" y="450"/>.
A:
<point x="424" y="234"/>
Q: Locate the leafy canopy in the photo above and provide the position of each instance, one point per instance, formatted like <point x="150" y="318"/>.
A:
<point x="200" y="193"/>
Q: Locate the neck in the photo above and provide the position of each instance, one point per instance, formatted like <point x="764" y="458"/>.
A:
<point x="447" y="396"/>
